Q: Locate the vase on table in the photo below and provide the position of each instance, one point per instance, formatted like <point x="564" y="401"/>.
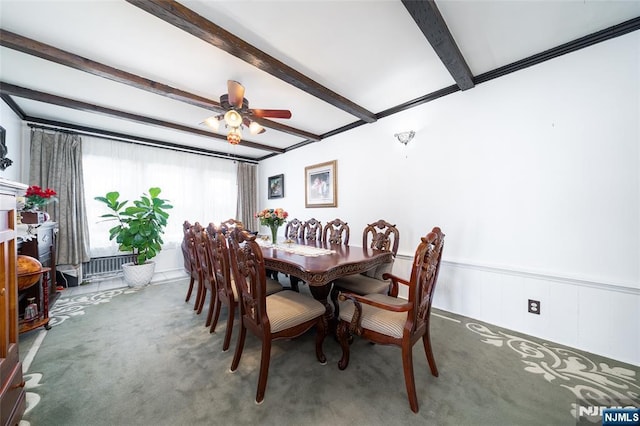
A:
<point x="274" y="233"/>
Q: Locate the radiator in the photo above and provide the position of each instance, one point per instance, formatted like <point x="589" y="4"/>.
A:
<point x="105" y="265"/>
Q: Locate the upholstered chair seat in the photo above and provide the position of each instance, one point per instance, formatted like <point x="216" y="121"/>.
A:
<point x="375" y="319"/>
<point x="368" y="282"/>
<point x="287" y="309"/>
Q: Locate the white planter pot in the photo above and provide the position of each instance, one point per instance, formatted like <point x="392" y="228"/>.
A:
<point x="138" y="275"/>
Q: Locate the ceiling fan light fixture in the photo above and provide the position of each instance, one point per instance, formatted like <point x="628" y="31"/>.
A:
<point x="234" y="136"/>
<point x="213" y="122"/>
<point x="255" y="128"/>
<point x="233" y="118"/>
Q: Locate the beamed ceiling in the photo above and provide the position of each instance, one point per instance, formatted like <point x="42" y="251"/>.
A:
<point x="152" y="71"/>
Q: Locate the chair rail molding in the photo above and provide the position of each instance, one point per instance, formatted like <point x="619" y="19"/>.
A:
<point x="503" y="270"/>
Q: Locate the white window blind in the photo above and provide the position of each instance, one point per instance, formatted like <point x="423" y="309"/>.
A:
<point x="199" y="187"/>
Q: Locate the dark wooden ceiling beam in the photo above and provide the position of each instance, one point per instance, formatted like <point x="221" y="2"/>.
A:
<point x="426" y="14"/>
<point x="198" y="26"/>
<point x="60" y="126"/>
<point x="22" y="92"/>
<point x="58" y="56"/>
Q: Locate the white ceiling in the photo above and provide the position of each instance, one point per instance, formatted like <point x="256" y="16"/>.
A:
<point x="370" y="52"/>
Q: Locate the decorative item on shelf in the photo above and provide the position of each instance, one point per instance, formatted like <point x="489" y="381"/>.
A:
<point x="36" y="198"/>
<point x="31" y="311"/>
<point x="139" y="230"/>
<point x="273" y="218"/>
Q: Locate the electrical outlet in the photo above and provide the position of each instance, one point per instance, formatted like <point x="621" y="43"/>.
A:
<point x="534" y="307"/>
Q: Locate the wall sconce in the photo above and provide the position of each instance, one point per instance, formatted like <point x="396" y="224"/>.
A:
<point x="405" y="137"/>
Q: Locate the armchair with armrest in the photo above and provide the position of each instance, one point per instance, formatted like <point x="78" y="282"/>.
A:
<point x="388" y="320"/>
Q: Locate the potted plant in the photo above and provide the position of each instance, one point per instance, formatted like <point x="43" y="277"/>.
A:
<point x="139" y="230"/>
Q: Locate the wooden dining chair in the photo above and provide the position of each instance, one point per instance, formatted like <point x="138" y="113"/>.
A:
<point x="194" y="268"/>
<point x="387" y="320"/>
<point x="227" y="294"/>
<point x="293" y="229"/>
<point x="283" y="315"/>
<point x="206" y="277"/>
<point x="312" y="230"/>
<point x="336" y="232"/>
<point x="380" y="235"/>
<point x="187" y="258"/>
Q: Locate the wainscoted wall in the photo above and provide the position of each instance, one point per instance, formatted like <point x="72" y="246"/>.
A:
<point x="534" y="178"/>
<point x="596" y="317"/>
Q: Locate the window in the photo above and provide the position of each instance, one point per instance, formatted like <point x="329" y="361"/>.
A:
<point x="200" y="188"/>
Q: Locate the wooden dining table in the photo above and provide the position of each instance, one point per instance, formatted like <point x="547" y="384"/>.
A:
<point x="321" y="264"/>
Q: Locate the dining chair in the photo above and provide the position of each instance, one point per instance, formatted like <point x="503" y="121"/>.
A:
<point x="379" y="235"/>
<point x="206" y="277"/>
<point x="336" y="232"/>
<point x="283" y="315"/>
<point x="194" y="268"/>
<point x="312" y="230"/>
<point x="186" y="256"/>
<point x="227" y="294"/>
<point x="293" y="229"/>
<point x="387" y="320"/>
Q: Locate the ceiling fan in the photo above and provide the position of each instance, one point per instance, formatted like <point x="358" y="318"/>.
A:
<point x="238" y="112"/>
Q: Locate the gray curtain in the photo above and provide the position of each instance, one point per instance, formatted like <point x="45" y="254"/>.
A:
<point x="247" y="195"/>
<point x="56" y="163"/>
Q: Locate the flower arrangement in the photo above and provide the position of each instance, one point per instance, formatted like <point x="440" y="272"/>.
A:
<point x="273" y="218"/>
<point x="36" y="197"/>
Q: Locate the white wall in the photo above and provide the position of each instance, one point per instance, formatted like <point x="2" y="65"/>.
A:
<point x="534" y="179"/>
<point x="13" y="127"/>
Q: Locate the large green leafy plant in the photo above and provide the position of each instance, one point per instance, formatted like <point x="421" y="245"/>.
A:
<point x="140" y="225"/>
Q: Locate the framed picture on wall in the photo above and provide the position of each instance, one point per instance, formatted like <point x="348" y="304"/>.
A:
<point x="321" y="185"/>
<point x="275" y="185"/>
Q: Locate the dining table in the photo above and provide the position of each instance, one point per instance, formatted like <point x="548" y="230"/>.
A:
<point x="318" y="263"/>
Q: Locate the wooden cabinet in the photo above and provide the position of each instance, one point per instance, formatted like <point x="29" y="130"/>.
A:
<point x="12" y="395"/>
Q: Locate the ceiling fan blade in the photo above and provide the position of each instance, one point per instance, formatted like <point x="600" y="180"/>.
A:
<point x="236" y="93"/>
<point x="271" y="113"/>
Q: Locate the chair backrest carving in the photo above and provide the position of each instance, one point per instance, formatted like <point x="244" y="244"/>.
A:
<point x="336" y="232"/>
<point x="194" y="231"/>
<point x="248" y="270"/>
<point x="312" y="230"/>
<point x="424" y="273"/>
<point x="381" y="235"/>
<point x="293" y="229"/>
<point x="229" y="224"/>
<point x="218" y="253"/>
<point x="186" y="231"/>
<point x="200" y="243"/>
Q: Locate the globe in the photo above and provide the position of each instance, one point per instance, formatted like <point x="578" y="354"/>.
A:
<point x="29" y="271"/>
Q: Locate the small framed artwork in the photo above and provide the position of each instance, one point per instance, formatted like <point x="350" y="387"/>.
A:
<point x="275" y="188"/>
<point x="321" y="185"/>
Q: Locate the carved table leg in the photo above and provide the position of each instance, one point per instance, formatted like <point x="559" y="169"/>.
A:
<point x="321" y="294"/>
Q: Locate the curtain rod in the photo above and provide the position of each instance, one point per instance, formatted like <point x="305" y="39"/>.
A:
<point x="145" y="142"/>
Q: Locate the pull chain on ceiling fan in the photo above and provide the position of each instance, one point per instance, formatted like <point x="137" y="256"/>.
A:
<point x="238" y="113"/>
